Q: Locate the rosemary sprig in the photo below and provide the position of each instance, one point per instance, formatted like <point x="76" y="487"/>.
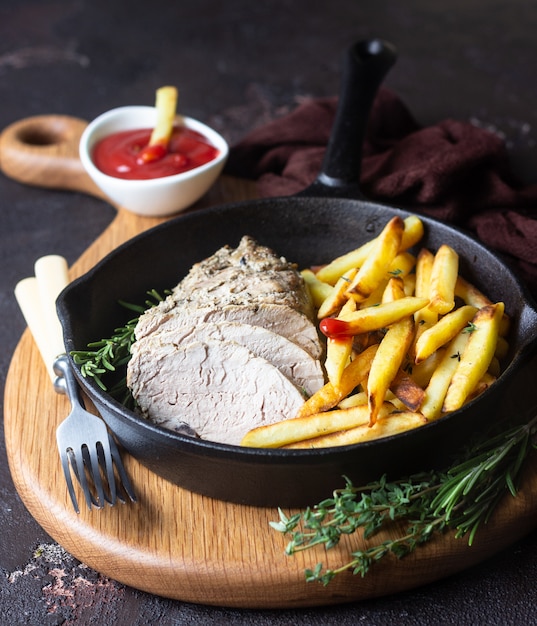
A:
<point x="461" y="498"/>
<point x="108" y="355"/>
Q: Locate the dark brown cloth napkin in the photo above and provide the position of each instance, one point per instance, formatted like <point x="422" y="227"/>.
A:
<point x="453" y="171"/>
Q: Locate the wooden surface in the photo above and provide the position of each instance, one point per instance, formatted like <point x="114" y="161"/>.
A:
<point x="188" y="547"/>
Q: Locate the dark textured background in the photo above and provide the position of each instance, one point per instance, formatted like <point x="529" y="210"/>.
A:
<point x="238" y="64"/>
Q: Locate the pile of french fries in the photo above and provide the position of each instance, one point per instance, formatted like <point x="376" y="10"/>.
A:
<point x="407" y="340"/>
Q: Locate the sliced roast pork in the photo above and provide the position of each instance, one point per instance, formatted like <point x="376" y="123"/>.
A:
<point x="219" y="388"/>
<point x="292" y="360"/>
<point x="233" y="346"/>
<point x="280" y="319"/>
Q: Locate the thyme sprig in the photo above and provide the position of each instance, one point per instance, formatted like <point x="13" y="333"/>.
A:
<point x="462" y="498"/>
<point x="108" y="355"/>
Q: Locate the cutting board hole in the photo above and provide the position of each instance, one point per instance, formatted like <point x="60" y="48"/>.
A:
<point x="39" y="136"/>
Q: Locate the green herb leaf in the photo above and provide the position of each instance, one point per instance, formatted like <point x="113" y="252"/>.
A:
<point x="460" y="499"/>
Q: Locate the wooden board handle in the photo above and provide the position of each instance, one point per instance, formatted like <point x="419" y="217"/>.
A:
<point x="43" y="151"/>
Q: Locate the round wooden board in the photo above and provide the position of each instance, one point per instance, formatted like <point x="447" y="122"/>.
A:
<point x="188" y="547"/>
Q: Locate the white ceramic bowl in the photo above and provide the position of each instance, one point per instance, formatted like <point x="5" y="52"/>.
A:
<point x="158" y="196"/>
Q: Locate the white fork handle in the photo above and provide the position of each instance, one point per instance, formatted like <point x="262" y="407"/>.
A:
<point x="36" y="297"/>
<point x="52" y="276"/>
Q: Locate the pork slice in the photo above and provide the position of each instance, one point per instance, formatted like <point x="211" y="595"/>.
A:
<point x="219" y="388"/>
<point x="279" y="319"/>
<point x="292" y="360"/>
<point x="250" y="273"/>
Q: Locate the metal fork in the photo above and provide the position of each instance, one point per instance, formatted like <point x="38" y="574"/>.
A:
<point x="87" y="447"/>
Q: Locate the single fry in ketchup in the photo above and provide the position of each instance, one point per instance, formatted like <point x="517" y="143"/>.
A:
<point x="166" y="106"/>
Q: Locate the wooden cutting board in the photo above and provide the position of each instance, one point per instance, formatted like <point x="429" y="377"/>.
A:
<point x="174" y="543"/>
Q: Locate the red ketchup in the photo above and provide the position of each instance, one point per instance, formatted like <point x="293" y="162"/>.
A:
<point x="127" y="155"/>
<point x="335" y="329"/>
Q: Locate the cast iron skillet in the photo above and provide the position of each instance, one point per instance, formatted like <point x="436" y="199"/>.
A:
<point x="328" y="219"/>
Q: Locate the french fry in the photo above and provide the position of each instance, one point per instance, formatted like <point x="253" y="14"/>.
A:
<point x="394" y="290"/>
<point x="407" y="391"/>
<point x="387" y="425"/>
<point x="339" y="350"/>
<point x="300" y="429"/>
<point x="402" y="265"/>
<point x="377" y="263"/>
<point x="375" y="297"/>
<point x="332" y="272"/>
<point x="318" y="290"/>
<point x="470" y="294"/>
<point x="443" y="331"/>
<point x="329" y="396"/>
<point x="337" y="296"/>
<point x="375" y="318"/>
<point x="424" y="265"/>
<point x="386" y="363"/>
<point x="338" y="353"/>
<point x="435" y="392"/>
<point x="356" y="399"/>
<point x="443" y="279"/>
<point x="476" y="357"/>
<point x="410" y="284"/>
<point x="413" y="232"/>
<point x="482" y="385"/>
<point x="166" y="105"/>
<point x="422" y="372"/>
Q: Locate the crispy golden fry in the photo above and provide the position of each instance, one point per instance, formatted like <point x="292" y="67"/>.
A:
<point x="476" y="357"/>
<point x="470" y="294"/>
<point x="330" y="273"/>
<point x="395" y="290"/>
<point x="407" y="391"/>
<point x="482" y="385"/>
<point x="338" y="353"/>
<point x="410" y="284"/>
<point x="424" y="266"/>
<point x="443" y="331"/>
<point x="356" y="399"/>
<point x="413" y="232"/>
<point x="387" y="425"/>
<point x="402" y="265"/>
<point x="337" y="296"/>
<point x="377" y="263"/>
<point x="166" y="105"/>
<point x="386" y="363"/>
<point x="381" y="316"/>
<point x="438" y="385"/>
<point x="300" y="429"/>
<point x="443" y="279"/>
<point x="422" y="372"/>
<point x="329" y="396"/>
<point x="318" y="290"/>
<point x="375" y="297"/>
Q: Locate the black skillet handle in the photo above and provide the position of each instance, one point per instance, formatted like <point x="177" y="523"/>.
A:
<point x="365" y="65"/>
